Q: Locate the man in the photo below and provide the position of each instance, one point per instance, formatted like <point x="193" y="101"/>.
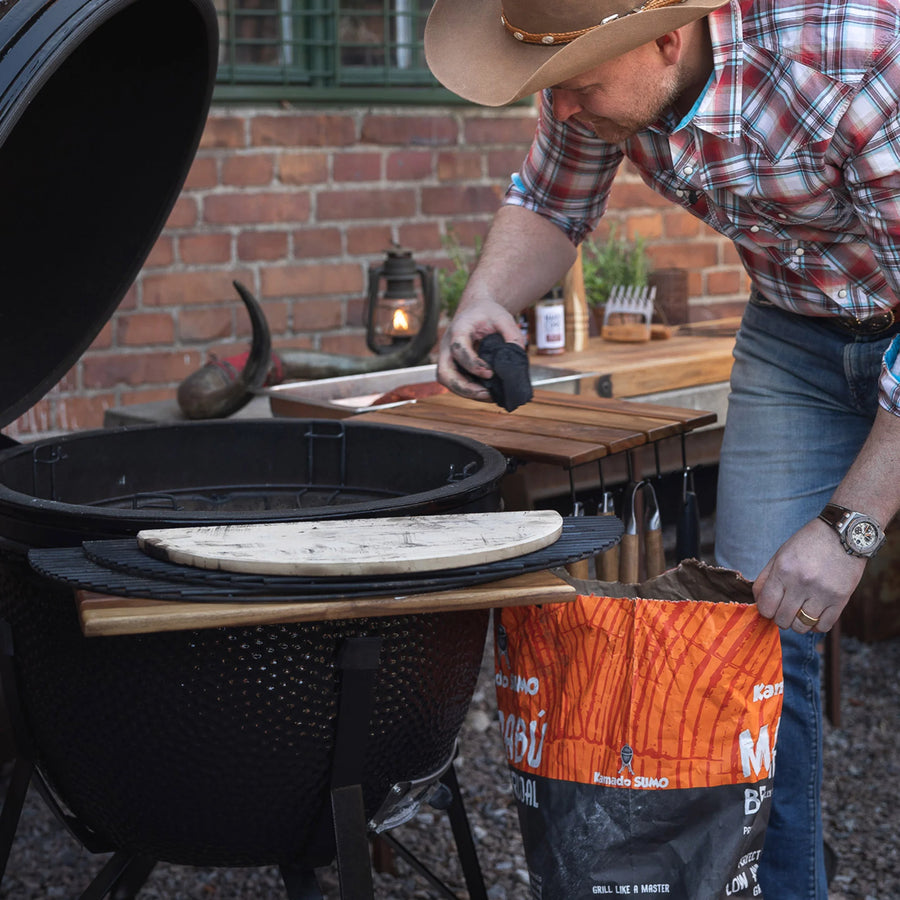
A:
<point x="776" y="122"/>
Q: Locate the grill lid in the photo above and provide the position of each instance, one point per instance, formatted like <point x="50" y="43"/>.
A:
<point x="102" y="105"/>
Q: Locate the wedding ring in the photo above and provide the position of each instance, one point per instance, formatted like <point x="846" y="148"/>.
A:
<point x="806" y="619"/>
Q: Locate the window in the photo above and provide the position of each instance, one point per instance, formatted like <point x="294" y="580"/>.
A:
<point x="366" y="50"/>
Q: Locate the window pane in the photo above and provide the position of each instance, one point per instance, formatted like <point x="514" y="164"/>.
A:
<point x="323" y="42"/>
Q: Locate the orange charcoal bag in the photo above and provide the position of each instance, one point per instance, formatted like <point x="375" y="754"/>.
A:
<point x="640" y="730"/>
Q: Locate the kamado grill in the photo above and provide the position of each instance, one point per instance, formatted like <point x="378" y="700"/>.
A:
<point x="238" y="746"/>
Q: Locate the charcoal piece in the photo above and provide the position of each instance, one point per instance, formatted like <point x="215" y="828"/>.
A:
<point x="510" y="385"/>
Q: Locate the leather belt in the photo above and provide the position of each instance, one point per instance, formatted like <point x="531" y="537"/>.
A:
<point x="871" y="326"/>
<point x="868" y="327"/>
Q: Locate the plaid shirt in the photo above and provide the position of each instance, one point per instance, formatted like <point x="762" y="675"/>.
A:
<point x="792" y="151"/>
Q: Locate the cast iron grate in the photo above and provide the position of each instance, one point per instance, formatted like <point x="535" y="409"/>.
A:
<point x="120" y="568"/>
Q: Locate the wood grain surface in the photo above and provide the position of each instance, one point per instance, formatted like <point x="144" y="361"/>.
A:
<point x="102" y="615"/>
<point x="384" y="546"/>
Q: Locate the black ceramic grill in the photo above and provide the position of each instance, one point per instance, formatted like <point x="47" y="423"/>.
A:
<point x="216" y="747"/>
<point x="222" y="746"/>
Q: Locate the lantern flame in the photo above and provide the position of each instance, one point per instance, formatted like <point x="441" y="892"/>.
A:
<point x="400" y="322"/>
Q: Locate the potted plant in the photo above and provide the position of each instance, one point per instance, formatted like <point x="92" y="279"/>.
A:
<point x="616" y="261"/>
<point x="453" y="279"/>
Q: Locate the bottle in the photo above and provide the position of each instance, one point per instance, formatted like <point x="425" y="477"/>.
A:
<point x="550" y="323"/>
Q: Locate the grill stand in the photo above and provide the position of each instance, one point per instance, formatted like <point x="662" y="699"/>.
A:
<point x="123" y="875"/>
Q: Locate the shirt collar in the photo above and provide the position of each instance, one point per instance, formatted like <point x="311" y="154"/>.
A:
<point x="719" y="111"/>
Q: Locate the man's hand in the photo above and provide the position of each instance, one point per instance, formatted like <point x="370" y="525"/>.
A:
<point x="524" y="255"/>
<point x="810" y="571"/>
<point x="458" y="355"/>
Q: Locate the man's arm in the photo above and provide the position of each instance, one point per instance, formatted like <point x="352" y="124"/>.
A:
<point x="811" y="570"/>
<point x="523" y="257"/>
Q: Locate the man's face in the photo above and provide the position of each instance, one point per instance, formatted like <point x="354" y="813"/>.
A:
<point x="621" y="96"/>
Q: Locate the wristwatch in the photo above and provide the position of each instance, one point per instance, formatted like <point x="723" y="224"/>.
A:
<point x="860" y="534"/>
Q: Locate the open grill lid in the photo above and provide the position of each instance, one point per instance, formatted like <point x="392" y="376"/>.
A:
<point x="102" y="106"/>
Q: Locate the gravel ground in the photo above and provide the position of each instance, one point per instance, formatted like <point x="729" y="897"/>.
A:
<point x="862" y="800"/>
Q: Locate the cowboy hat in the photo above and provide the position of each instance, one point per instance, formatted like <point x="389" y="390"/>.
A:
<point x="494" y="52"/>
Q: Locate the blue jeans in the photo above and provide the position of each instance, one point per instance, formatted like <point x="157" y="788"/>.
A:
<point x="803" y="398"/>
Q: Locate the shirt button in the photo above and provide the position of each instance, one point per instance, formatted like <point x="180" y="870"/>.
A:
<point x="799" y="251"/>
<point x="679" y="193"/>
<point x="842" y="294"/>
<point x="754" y="228"/>
<point x="782" y="216"/>
<point x="688" y="170"/>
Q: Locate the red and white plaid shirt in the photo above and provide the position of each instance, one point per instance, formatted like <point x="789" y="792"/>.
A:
<point x="792" y="151"/>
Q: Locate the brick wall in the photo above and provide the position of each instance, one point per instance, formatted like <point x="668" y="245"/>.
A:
<point x="297" y="205"/>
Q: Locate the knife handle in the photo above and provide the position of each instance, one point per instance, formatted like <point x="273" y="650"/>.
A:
<point x="607" y="562"/>
<point x="581" y="568"/>
<point x="653" y="547"/>
<point x="629" y="558"/>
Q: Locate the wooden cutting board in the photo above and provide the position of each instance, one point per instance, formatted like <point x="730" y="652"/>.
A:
<point x="357" y="546"/>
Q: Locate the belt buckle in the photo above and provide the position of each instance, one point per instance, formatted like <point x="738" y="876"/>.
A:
<point x="873" y="324"/>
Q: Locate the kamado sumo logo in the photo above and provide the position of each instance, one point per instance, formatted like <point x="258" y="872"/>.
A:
<point x="621" y="779"/>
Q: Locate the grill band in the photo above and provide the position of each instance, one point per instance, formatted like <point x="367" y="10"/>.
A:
<point x="564" y="37"/>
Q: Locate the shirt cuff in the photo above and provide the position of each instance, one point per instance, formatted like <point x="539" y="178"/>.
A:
<point x="516" y="195"/>
<point x="889" y="381"/>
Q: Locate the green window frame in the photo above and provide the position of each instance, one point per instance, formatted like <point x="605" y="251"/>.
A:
<point x="325" y="50"/>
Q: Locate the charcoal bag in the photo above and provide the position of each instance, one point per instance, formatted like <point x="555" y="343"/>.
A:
<point x="640" y="725"/>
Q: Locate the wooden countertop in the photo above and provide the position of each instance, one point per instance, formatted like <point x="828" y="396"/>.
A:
<point x="695" y="354"/>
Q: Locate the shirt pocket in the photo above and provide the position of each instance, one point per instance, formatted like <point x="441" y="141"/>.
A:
<point x="803" y="217"/>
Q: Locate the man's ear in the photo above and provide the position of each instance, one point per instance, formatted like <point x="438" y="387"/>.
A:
<point x="671" y="46"/>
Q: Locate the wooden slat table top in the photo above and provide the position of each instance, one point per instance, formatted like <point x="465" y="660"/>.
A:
<point x="104" y="615"/>
<point x="566" y="430"/>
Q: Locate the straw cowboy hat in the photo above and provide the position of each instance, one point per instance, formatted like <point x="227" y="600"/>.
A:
<point x="494" y="52"/>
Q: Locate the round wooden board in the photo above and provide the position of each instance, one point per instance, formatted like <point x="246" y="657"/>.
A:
<point x="386" y="546"/>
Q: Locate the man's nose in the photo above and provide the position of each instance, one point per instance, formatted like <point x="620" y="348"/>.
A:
<point x="565" y="105"/>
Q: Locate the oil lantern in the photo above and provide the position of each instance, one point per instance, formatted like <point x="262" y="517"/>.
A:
<point x="400" y="292"/>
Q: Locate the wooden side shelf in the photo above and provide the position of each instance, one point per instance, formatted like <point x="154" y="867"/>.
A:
<point x="104" y="615"/>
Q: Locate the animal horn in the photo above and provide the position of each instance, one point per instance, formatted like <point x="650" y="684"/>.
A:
<point x="212" y="391"/>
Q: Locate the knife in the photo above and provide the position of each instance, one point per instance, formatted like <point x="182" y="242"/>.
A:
<point x="607" y="563"/>
<point x="629" y="547"/>
<point x="580" y="568"/>
<point x="655" y="558"/>
<point x="687" y="528"/>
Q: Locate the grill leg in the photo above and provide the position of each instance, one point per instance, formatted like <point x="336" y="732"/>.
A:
<point x="300" y="884"/>
<point x="358" y="660"/>
<point x="462" y="834"/>
<point x="23" y="768"/>
<point x="108" y="877"/>
<point x="12" y="808"/>
<point x="130" y="882"/>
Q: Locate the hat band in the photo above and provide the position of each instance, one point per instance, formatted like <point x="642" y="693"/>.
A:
<point x="565" y="37"/>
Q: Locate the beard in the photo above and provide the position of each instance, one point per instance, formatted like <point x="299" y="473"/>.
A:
<point x="646" y="109"/>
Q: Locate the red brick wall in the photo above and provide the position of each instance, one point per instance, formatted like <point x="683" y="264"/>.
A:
<point x="297" y="205"/>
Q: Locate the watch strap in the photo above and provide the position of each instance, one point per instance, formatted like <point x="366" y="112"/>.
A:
<point x="833" y="514"/>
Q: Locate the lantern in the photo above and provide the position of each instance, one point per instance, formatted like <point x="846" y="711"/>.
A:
<point x="396" y="312"/>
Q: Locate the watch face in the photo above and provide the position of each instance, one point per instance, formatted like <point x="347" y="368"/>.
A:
<point x="863" y="536"/>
